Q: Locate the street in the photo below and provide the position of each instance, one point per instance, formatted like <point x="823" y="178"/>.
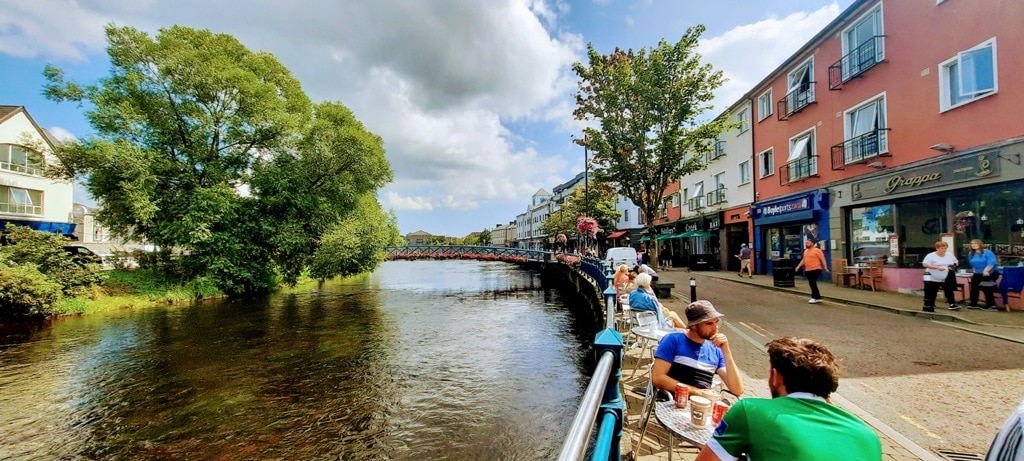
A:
<point x="913" y="379"/>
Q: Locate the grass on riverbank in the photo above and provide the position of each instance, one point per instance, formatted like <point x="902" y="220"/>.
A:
<point x="135" y="288"/>
<point x="129" y="289"/>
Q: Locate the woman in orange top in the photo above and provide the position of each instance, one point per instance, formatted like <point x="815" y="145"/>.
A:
<point x="813" y="263"/>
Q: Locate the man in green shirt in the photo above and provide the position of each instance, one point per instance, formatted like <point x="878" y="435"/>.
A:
<point x="798" y="423"/>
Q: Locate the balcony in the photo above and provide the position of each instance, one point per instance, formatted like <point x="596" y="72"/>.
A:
<point x="796" y="100"/>
<point x="856" y="62"/>
<point x="696" y="203"/>
<point x="798" y="170"/>
<point x="716" y="196"/>
<point x="15" y="208"/>
<point x="860" y="149"/>
<point x="718" y="152"/>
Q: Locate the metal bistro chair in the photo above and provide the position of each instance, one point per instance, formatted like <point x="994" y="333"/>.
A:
<point x="645" y="319"/>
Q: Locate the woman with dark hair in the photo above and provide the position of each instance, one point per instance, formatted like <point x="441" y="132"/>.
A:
<point x="983" y="262"/>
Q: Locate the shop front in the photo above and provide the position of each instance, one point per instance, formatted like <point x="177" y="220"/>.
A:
<point x="898" y="217"/>
<point x="781" y="226"/>
<point x="737" y="232"/>
<point x="700" y="242"/>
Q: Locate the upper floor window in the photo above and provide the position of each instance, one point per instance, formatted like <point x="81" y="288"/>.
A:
<point x="863" y="45"/>
<point x="801" y="89"/>
<point x="744" y="119"/>
<point x="744" y="172"/>
<point x="764" y="105"/>
<point x="21" y="201"/>
<point x="767" y="161"/>
<point x="675" y="200"/>
<point x="866" y="134"/>
<point x="20" y="159"/>
<point x="968" y="76"/>
<point x="625" y="215"/>
<point x="801" y="161"/>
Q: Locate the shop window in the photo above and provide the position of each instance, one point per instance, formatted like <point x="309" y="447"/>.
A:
<point x="994" y="216"/>
<point x="870" y="228"/>
<point x="921" y="224"/>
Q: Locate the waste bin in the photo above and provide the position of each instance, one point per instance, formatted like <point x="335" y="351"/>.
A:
<point x="782" y="272"/>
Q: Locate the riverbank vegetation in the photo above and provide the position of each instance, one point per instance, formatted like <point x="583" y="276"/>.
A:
<point x="215" y="151"/>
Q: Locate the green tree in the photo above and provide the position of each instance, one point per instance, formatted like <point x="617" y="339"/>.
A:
<point x="210" y="148"/>
<point x="647" y="105"/>
<point x="485" y="237"/>
<point x="356" y="244"/>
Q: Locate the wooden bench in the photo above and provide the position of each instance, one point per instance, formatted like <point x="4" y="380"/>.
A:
<point x="664" y="289"/>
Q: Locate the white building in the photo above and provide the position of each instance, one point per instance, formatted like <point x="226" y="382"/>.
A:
<point x="26" y="197"/>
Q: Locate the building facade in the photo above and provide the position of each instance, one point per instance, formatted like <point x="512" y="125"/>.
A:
<point x="26" y="197"/>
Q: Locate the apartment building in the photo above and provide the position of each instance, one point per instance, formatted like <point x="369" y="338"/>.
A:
<point x="26" y="197"/>
<point x="894" y="127"/>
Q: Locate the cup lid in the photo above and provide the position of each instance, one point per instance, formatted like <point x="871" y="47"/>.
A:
<point x="700" y="400"/>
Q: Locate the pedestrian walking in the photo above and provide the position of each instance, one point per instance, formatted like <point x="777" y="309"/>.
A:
<point x="940" y="272"/>
<point x="813" y="264"/>
<point x="799" y="422"/>
<point x="744" y="258"/>
<point x="983" y="263"/>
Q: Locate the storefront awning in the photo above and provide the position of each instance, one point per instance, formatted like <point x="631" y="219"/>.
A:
<point x="695" y="233"/>
<point x="805" y="215"/>
<point x="616" y="234"/>
<point x="664" y="236"/>
<point x="645" y="238"/>
<point x="64" y="228"/>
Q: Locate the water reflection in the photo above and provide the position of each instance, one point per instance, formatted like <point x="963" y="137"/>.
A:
<point x="421" y="360"/>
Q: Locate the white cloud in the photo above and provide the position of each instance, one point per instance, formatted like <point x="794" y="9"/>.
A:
<point x="62" y="134"/>
<point x="49" y="28"/>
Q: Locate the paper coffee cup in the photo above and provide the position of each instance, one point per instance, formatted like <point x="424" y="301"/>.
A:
<point x="700" y="407"/>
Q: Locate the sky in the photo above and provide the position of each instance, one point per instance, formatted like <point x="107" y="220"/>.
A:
<point x="473" y="98"/>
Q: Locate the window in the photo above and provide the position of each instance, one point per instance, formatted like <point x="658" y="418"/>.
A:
<point x="801" y="160"/>
<point x="767" y="161"/>
<point x="717" y="194"/>
<point x="801" y="87"/>
<point x="697" y="198"/>
<point x="866" y="134"/>
<point x="744" y="119"/>
<point x="675" y="200"/>
<point x="969" y="76"/>
<point x="745" y="172"/>
<point x="21" y="201"/>
<point x="20" y="159"/>
<point x="862" y="47"/>
<point x="870" y="228"/>
<point x="625" y="215"/>
<point x="764" y="105"/>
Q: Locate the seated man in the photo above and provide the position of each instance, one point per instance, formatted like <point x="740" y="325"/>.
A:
<point x="694" y="357"/>
<point x="798" y="423"/>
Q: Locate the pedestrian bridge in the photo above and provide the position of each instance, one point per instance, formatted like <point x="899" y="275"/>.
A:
<point x="600" y="416"/>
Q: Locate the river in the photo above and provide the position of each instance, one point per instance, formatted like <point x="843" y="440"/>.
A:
<point x="419" y="360"/>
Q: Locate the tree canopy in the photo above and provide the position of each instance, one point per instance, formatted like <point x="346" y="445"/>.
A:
<point x="602" y="209"/>
<point x="647" y="105"/>
<point x="215" y="150"/>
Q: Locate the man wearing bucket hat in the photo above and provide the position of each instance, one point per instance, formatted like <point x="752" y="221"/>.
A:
<point x="693" y="357"/>
<point x="799" y="423"/>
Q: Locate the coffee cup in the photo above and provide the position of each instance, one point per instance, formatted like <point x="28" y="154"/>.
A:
<point x="700" y="407"/>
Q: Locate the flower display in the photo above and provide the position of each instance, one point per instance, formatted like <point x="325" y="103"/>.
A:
<point x="587" y="226"/>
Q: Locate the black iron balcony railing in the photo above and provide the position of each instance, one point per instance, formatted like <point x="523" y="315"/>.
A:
<point x="696" y="203"/>
<point x="856" y="62"/>
<point x="799" y="169"/>
<point x="719" y="150"/>
<point x="716" y="196"/>
<point x="796" y="100"/>
<point x="861" y="148"/>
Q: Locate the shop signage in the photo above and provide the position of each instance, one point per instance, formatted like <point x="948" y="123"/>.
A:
<point x="715" y="223"/>
<point x="691" y="226"/>
<point x="970" y="168"/>
<point x="800" y="204"/>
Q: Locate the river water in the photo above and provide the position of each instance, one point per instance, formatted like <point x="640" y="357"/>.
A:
<point x="420" y="360"/>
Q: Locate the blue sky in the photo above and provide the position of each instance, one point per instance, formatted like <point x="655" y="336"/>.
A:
<point x="472" y="98"/>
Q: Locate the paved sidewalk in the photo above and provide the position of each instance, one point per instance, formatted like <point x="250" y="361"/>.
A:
<point x="999" y="324"/>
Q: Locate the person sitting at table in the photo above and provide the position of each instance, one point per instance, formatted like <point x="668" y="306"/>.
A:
<point x="798" y="423"/>
<point x="621" y="279"/>
<point x="644" y="295"/>
<point x="941" y="269"/>
<point x="983" y="262"/>
<point x="693" y="357"/>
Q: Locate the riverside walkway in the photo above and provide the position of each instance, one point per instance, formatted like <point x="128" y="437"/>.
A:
<point x="1007" y="326"/>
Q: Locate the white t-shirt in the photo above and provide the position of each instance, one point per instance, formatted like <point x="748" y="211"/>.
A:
<point x="934" y="259"/>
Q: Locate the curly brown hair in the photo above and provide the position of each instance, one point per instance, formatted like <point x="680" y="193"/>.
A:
<point x="805" y="365"/>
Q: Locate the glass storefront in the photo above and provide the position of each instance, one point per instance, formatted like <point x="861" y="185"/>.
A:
<point x="993" y="214"/>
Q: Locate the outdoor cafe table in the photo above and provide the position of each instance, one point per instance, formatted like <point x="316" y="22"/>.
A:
<point x="677" y="421"/>
<point x="860" y="273"/>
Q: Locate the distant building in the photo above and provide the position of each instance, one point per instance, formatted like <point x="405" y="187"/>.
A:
<point x="504" y="235"/>
<point x="26" y="197"/>
<point x="418" y="238"/>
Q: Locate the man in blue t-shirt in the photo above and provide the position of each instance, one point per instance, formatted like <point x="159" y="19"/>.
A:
<point x="695" y="356"/>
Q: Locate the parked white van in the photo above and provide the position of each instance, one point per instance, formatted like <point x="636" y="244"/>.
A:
<point x="621" y="255"/>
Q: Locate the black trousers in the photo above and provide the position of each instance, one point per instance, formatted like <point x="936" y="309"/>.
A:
<point x="990" y="292"/>
<point x="812" y="280"/>
<point x="931" y="291"/>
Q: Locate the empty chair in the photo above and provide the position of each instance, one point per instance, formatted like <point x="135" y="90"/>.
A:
<point x="872" y="275"/>
<point x="841" y="275"/>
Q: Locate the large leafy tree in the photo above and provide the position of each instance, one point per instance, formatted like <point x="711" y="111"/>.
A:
<point x="205" y="146"/>
<point x="647" y="105"/>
